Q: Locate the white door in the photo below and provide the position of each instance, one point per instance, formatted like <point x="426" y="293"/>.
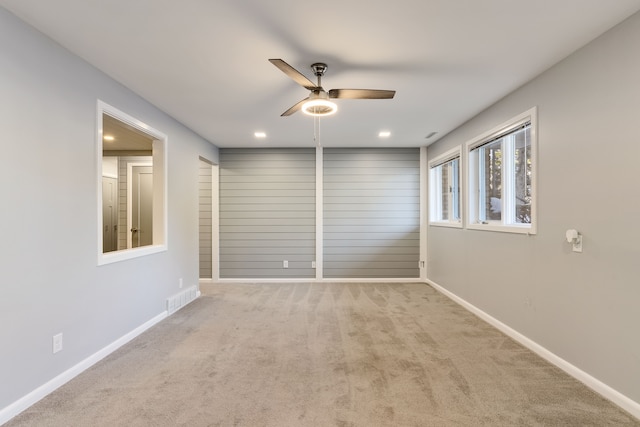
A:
<point x="141" y="206"/>
<point x="109" y="214"/>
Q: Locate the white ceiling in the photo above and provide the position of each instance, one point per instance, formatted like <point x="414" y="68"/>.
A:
<point x="125" y="137"/>
<point x="204" y="62"/>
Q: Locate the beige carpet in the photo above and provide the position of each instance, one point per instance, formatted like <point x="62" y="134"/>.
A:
<point x="323" y="355"/>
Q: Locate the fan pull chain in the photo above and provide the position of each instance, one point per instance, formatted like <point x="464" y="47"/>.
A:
<point x="316" y="131"/>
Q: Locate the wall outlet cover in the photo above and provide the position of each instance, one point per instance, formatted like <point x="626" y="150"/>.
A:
<point x="57" y="343"/>
<point x="577" y="244"/>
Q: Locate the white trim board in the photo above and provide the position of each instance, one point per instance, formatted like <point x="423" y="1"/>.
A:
<point x="596" y="385"/>
<point x="424" y="212"/>
<point x="39" y="393"/>
<point x="324" y="280"/>
<point x="319" y="261"/>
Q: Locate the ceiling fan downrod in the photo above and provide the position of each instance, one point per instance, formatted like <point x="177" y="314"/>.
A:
<point x="319" y="69"/>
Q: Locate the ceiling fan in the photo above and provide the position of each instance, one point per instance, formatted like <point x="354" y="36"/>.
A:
<point x="318" y="102"/>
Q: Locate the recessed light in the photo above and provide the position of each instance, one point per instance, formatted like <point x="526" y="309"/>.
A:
<point x="384" y="134"/>
<point x="260" y="135"/>
<point x="108" y="138"/>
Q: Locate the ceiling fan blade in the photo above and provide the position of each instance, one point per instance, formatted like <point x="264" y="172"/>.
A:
<point x="361" y="93"/>
<point x="295" y="108"/>
<point x="294" y="74"/>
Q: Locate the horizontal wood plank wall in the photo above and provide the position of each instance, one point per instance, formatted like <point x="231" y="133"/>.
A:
<point x="371" y="213"/>
<point x="267" y="213"/>
<point x="204" y="218"/>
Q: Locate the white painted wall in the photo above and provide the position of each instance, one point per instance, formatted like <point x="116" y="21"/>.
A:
<point x="582" y="307"/>
<point x="49" y="279"/>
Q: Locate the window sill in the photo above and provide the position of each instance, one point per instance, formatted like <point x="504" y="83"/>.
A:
<point x="123" y="255"/>
<point x="515" y="229"/>
<point x="446" y="224"/>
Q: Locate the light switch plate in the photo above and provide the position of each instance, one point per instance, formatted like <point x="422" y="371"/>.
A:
<point x="57" y="343"/>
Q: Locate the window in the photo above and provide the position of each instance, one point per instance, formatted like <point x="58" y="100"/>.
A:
<point x="444" y="190"/>
<point x="502" y="177"/>
<point x="132" y="186"/>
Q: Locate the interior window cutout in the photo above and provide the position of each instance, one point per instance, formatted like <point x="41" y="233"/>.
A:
<point x="131" y="186"/>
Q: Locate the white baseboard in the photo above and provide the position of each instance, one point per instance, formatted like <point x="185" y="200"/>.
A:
<point x="313" y="280"/>
<point x="23" y="403"/>
<point x="596" y="385"/>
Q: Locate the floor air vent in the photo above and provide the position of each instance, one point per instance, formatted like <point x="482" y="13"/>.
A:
<point x="179" y="300"/>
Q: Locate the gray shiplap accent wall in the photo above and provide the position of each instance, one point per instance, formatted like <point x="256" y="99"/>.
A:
<point x="267" y="213"/>
<point x="371" y="212"/>
<point x="205" y="219"/>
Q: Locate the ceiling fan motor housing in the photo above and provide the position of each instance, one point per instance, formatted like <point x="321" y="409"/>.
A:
<point x="318" y="104"/>
<point x="319" y="69"/>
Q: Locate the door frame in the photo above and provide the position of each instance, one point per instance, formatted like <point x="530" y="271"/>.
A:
<point x="215" y="221"/>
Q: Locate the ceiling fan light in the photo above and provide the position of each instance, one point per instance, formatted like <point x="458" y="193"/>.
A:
<point x="319" y="107"/>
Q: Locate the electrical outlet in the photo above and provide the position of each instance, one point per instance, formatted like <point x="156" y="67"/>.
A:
<point x="57" y="343"/>
<point x="285" y="264"/>
<point x="180" y="283"/>
<point x="577" y="244"/>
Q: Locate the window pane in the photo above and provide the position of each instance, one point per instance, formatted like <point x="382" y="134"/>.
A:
<point x="501" y="173"/>
<point x="444" y="191"/>
<point x="490" y="159"/>
<point x="454" y="188"/>
<point x="522" y="169"/>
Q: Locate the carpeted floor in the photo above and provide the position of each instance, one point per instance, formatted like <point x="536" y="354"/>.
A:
<point x="323" y="354"/>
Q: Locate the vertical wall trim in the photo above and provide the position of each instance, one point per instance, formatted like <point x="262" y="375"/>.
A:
<point x="319" y="212"/>
<point x="98" y="168"/>
<point x="215" y="222"/>
<point x="423" y="212"/>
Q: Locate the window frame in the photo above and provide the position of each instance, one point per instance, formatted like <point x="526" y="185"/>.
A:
<point x="434" y="204"/>
<point x="160" y="185"/>
<point x="473" y="198"/>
